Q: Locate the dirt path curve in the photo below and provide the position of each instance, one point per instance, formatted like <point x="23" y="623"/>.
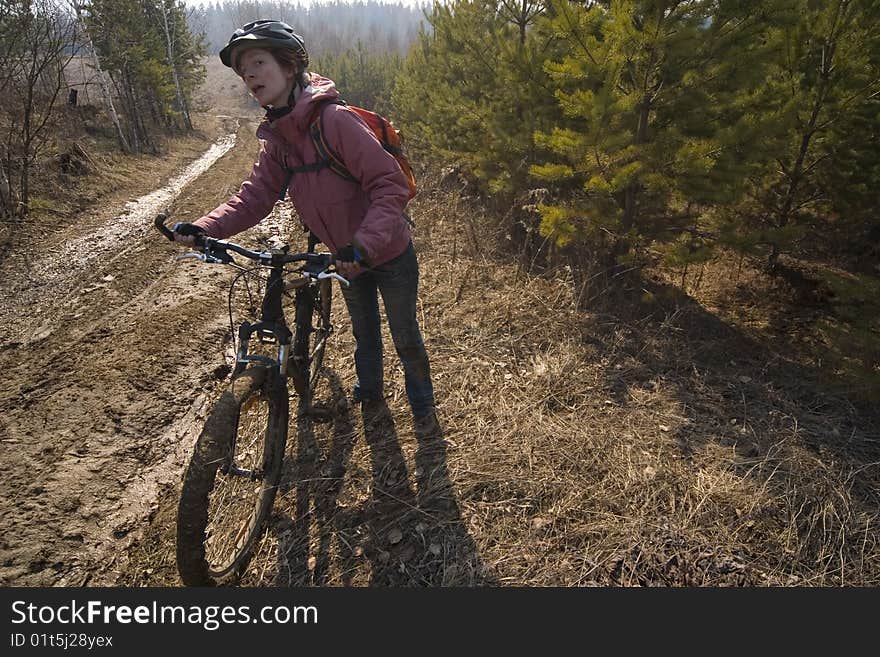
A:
<point x="100" y="331"/>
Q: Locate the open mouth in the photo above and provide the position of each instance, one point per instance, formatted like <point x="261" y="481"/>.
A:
<point x="256" y="90"/>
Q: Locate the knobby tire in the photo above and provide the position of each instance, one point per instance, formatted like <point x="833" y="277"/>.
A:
<point x="311" y="334"/>
<point x="217" y="529"/>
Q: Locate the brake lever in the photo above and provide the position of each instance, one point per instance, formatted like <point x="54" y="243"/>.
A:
<point x="219" y="258"/>
<point x="191" y="254"/>
<point x="339" y="278"/>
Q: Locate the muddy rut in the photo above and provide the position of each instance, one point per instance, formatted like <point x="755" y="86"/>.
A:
<point x="103" y="379"/>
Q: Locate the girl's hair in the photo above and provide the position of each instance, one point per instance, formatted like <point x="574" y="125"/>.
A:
<point x="285" y="57"/>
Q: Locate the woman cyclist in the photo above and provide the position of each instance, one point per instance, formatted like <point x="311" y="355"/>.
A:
<point x="362" y="222"/>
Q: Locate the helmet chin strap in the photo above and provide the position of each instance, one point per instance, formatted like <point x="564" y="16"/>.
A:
<point x="275" y="113"/>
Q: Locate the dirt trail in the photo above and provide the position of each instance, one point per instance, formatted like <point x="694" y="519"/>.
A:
<point x="97" y="394"/>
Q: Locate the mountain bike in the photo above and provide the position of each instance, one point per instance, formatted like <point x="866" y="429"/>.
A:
<point x="232" y="478"/>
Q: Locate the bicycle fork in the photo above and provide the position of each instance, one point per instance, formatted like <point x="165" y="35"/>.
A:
<point x="271" y="328"/>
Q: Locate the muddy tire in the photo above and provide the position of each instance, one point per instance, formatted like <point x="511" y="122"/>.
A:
<point x="313" y="329"/>
<point x="323" y="329"/>
<point x="222" y="510"/>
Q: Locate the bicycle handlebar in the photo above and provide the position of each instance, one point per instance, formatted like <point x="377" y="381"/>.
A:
<point x="159" y="222"/>
<point x="208" y="244"/>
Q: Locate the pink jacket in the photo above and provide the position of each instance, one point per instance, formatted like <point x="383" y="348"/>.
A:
<point x="367" y="213"/>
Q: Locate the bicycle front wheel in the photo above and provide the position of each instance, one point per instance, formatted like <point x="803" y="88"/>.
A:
<point x="232" y="479"/>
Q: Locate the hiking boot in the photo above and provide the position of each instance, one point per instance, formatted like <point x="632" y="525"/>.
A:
<point x="375" y="414"/>
<point x="427" y="425"/>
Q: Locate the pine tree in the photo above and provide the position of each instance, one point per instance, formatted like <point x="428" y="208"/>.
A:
<point x="850" y="177"/>
<point x="152" y="82"/>
<point x="660" y="101"/>
<point x="362" y="78"/>
<point x="824" y="91"/>
<point x="472" y="91"/>
<point x="184" y="50"/>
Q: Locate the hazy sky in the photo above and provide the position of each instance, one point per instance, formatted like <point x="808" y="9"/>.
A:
<point x="308" y="2"/>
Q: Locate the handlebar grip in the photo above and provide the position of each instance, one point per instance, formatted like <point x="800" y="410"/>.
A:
<point x="159" y="222"/>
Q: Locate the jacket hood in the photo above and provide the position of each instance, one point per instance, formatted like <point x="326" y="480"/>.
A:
<point x="318" y="90"/>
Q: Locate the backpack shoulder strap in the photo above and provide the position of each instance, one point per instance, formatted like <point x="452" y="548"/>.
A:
<point x="304" y="168"/>
<point x="324" y="159"/>
<point x="325" y="152"/>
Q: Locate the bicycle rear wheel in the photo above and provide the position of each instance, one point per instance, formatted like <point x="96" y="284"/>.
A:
<point x="322" y="330"/>
<point x="232" y="478"/>
<point x="313" y="329"/>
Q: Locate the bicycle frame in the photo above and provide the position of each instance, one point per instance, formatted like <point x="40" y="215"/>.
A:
<point x="272" y="321"/>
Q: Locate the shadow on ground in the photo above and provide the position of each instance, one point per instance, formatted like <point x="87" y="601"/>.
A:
<point x="712" y="367"/>
<point x="408" y="532"/>
<point x="805" y="443"/>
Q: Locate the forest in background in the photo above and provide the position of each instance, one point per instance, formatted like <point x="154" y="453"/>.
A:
<point x="604" y="135"/>
<point x="659" y="128"/>
<point x="327" y="27"/>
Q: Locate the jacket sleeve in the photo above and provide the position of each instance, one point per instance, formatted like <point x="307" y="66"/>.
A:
<point x="378" y="173"/>
<point x="253" y="201"/>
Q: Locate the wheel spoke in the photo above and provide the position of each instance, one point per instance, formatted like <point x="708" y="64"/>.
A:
<point x="235" y="500"/>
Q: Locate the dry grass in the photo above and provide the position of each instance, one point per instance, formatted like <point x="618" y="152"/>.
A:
<point x="656" y="446"/>
<point x="664" y="444"/>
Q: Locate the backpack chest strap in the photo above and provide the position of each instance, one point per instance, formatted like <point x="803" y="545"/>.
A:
<point x="304" y="168"/>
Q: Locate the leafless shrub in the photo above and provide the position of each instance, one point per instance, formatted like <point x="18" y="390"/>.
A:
<point x="33" y="76"/>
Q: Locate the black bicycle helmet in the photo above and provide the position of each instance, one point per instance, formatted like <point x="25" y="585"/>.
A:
<point x="266" y="33"/>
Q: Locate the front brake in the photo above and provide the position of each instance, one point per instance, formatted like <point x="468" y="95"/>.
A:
<point x="340" y="279"/>
<point x="211" y="257"/>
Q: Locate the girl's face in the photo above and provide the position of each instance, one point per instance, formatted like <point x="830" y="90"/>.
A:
<point x="267" y="81"/>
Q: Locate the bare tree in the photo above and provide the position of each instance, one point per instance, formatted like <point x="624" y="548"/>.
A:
<point x="11" y="14"/>
<point x="169" y="43"/>
<point x="77" y="6"/>
<point x="47" y="41"/>
<point x="245" y="12"/>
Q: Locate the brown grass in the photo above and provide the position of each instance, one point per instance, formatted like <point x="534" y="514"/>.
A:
<point x="671" y="442"/>
<point x="657" y="445"/>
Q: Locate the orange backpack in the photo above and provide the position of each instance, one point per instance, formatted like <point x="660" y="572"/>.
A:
<point x="385" y="132"/>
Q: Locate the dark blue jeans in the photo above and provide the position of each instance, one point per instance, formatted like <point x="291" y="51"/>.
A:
<point x="398" y="282"/>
